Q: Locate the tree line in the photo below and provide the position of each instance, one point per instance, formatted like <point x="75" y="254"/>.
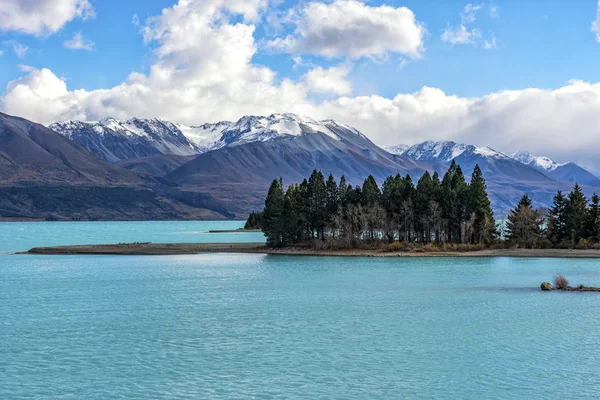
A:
<point x="434" y="210"/>
<point x="572" y="221"/>
<point x="437" y="211"/>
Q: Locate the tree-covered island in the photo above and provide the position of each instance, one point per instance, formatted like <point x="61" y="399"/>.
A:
<point x="434" y="213"/>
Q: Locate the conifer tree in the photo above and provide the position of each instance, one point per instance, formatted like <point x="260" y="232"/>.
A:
<point x="593" y="219"/>
<point x="576" y="214"/>
<point x="272" y="221"/>
<point x="480" y="208"/>
<point x="524" y="224"/>
<point x="370" y="191"/>
<point x="557" y="220"/>
<point x="318" y="203"/>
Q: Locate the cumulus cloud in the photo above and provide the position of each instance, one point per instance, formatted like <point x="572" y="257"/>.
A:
<point x="331" y="80"/>
<point x="596" y="23"/>
<point x="203" y="72"/>
<point x="352" y="29"/>
<point x="78" y="43"/>
<point x="42" y="17"/>
<point x="536" y="119"/>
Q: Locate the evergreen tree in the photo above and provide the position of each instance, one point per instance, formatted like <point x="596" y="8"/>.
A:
<point x="254" y="221"/>
<point x="480" y="209"/>
<point x="576" y="211"/>
<point x="370" y="191"/>
<point x="318" y="203"/>
<point x="557" y="220"/>
<point x="445" y="211"/>
<point x="524" y="224"/>
<point x="333" y="195"/>
<point x="593" y="219"/>
<point x="272" y="221"/>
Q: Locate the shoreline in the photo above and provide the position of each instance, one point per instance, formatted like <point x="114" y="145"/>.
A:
<point x="260" y="248"/>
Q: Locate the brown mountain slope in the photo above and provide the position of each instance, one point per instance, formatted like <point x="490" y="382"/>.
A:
<point x="44" y="175"/>
<point x="32" y="153"/>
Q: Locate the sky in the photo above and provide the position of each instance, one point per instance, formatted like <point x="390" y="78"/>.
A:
<point x="509" y="74"/>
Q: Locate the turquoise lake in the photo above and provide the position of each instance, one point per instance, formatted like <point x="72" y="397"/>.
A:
<point x="230" y="326"/>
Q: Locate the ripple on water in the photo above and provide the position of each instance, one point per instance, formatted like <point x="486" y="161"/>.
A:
<point x="250" y="326"/>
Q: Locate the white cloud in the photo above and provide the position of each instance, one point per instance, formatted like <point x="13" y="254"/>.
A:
<point x="352" y="29"/>
<point x="203" y="73"/>
<point x="41" y="17"/>
<point x="19" y="49"/>
<point x="490" y="44"/>
<point x="596" y="23"/>
<point x="494" y="10"/>
<point x="557" y="123"/>
<point x="26" y="68"/>
<point x="331" y="80"/>
<point x="467" y="16"/>
<point x="78" y="43"/>
<point x="460" y="35"/>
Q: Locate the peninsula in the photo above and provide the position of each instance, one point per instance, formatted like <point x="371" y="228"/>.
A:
<point x="260" y="248"/>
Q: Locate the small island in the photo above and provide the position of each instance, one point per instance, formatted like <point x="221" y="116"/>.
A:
<point x="561" y="283"/>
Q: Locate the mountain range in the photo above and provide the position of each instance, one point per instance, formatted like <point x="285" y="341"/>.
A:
<point x="223" y="170"/>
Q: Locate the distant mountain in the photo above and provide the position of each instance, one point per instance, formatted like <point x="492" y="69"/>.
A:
<point x="114" y="141"/>
<point x="158" y="166"/>
<point x="570" y="171"/>
<point x="507" y="177"/>
<point x="397" y="150"/>
<point x="242" y="173"/>
<point x="166" y="170"/>
<point x="31" y="153"/>
<point x="44" y="175"/>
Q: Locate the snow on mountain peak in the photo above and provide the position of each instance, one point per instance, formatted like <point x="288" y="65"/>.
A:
<point x="445" y="151"/>
<point x="544" y="163"/>
<point x="166" y="137"/>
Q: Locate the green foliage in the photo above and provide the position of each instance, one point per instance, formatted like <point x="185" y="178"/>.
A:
<point x="557" y="220"/>
<point x="273" y="223"/>
<point x="524" y="224"/>
<point x="576" y="214"/>
<point x="593" y="219"/>
<point x="254" y="221"/>
<point x="435" y="211"/>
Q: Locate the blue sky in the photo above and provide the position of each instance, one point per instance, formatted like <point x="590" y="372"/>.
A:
<point x="392" y="71"/>
<point x="539" y="44"/>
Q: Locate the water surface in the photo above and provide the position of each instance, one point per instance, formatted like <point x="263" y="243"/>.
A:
<point x="230" y="326"/>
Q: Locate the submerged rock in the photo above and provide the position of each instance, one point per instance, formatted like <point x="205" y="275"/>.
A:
<point x="546" y="286"/>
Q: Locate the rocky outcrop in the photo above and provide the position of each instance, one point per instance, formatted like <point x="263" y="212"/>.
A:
<point x="546" y="286"/>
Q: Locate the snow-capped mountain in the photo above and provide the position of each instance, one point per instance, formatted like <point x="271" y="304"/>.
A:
<point x="570" y="171"/>
<point x="397" y="150"/>
<point x="543" y="163"/>
<point x="114" y="140"/>
<point x="446" y="151"/>
<point x="468" y="155"/>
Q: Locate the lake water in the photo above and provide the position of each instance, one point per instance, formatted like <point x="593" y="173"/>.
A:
<point x="230" y="326"/>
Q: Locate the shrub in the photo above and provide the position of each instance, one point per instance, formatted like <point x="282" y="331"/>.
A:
<point x="399" y="246"/>
<point x="545" y="244"/>
<point x="560" y="282"/>
<point x="583" y="244"/>
<point x="394" y="246"/>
